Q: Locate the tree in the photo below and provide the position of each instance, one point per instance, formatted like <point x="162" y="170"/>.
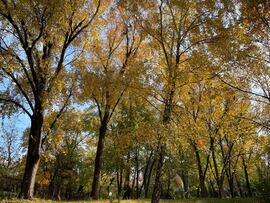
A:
<point x="35" y="39"/>
<point x="9" y="149"/>
<point x="109" y="72"/>
<point x="177" y="29"/>
<point x="246" y="68"/>
<point x="62" y="163"/>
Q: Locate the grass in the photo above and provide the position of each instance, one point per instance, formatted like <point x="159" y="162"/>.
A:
<point x="210" y="200"/>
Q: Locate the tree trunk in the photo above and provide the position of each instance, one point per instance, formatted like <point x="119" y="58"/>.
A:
<point x="33" y="158"/>
<point x="239" y="186"/>
<point x="219" y="177"/>
<point x="246" y="177"/>
<point x="145" y="178"/>
<point x="137" y="173"/>
<point x="168" y="194"/>
<point x="127" y="175"/>
<point x="119" y="181"/>
<point x="186" y="184"/>
<point x="158" y="181"/>
<point x="149" y="179"/>
<point x="51" y="189"/>
<point x="133" y="182"/>
<point x="214" y="192"/>
<point x="230" y="179"/>
<point x="98" y="160"/>
<point x="166" y="121"/>
<point x="203" y="190"/>
<point x="52" y="186"/>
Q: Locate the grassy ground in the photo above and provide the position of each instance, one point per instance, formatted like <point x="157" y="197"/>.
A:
<point x="212" y="200"/>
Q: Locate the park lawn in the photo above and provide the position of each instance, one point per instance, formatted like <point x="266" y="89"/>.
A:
<point x="210" y="200"/>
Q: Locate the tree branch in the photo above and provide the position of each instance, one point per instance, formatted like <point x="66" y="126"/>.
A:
<point x="20" y="87"/>
<point x="17" y="104"/>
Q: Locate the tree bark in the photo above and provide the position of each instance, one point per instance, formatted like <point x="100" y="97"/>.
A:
<point x="127" y="175"/>
<point x="98" y="159"/>
<point x="158" y="181"/>
<point x="219" y="177"/>
<point x="137" y="173"/>
<point x="203" y="190"/>
<point x="246" y="177"/>
<point x="149" y="179"/>
<point x="133" y="182"/>
<point x="161" y="147"/>
<point x="145" y="176"/>
<point x="119" y="175"/>
<point x="230" y="179"/>
<point x="33" y="157"/>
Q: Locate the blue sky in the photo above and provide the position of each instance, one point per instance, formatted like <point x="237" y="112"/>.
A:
<point x="21" y="122"/>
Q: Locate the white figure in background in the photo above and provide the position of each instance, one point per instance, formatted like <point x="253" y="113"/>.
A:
<point x="110" y="197"/>
<point x="179" y="185"/>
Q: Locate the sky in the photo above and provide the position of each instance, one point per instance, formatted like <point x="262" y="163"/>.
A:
<point x="19" y="121"/>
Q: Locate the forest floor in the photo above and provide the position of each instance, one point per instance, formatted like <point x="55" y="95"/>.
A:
<point x="210" y="200"/>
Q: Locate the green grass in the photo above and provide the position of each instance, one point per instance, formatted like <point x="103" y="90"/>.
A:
<point x="210" y="200"/>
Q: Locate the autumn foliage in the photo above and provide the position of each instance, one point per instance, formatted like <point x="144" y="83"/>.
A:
<point x="136" y="99"/>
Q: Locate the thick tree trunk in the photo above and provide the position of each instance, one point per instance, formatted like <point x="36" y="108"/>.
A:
<point x="158" y="181"/>
<point x="98" y="160"/>
<point x="33" y="158"/>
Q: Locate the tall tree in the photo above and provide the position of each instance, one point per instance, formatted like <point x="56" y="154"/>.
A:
<point x="177" y="29"/>
<point x="109" y="72"/>
<point x="35" y="39"/>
